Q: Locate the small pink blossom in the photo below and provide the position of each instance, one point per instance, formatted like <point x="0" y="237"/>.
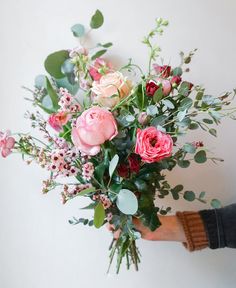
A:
<point x="7" y="143"/>
<point x="58" y="120"/>
<point x="99" y="68"/>
<point x="166" y="86"/>
<point x="143" y="118"/>
<point x="87" y="170"/>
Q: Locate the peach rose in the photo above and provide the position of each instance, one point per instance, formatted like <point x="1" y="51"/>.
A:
<point x="153" y="145"/>
<point x="110" y="89"/>
<point x="93" y="128"/>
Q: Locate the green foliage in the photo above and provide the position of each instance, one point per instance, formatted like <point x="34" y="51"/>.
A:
<point x="176" y="190"/>
<point x="200" y="157"/>
<point x="158" y="95"/>
<point x="189" y="196"/>
<point x="150" y="218"/>
<point x="52" y="93"/>
<point x="96" y="20"/>
<point x="127" y="202"/>
<point x="99" y="215"/>
<point x="78" y="30"/>
<point x="213" y="132"/>
<point x="99" y="54"/>
<point x="189" y="148"/>
<point x="54" y="62"/>
<point x="113" y="163"/>
<point x="87" y="191"/>
<point x="215" y="203"/>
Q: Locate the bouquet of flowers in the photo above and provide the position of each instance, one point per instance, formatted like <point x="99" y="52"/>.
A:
<point x="115" y="132"/>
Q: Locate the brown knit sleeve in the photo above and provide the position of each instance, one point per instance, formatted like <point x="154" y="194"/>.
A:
<point x="194" y="230"/>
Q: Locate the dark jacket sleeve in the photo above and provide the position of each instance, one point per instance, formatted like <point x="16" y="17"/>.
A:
<point x="220" y="225"/>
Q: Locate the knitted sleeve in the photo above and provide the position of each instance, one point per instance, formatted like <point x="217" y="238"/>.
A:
<point x="194" y="229"/>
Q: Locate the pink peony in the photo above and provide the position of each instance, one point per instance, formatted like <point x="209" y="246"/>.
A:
<point x="99" y="68"/>
<point x="110" y="89"/>
<point x="57" y="120"/>
<point x="153" y="145"/>
<point x="93" y="128"/>
<point x="6" y="143"/>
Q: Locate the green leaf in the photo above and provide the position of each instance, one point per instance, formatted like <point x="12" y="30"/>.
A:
<point x="159" y="121"/>
<point x="113" y="163"/>
<point x="141" y="185"/>
<point x="202" y="194"/>
<point x="150" y="219"/>
<point x="189" y="148"/>
<point x="184" y="89"/>
<point x="175" y="191"/>
<point x="127" y="202"/>
<point x="193" y="126"/>
<point x="185" y="104"/>
<point x="177" y="71"/>
<point x="200" y="157"/>
<point x="181" y="115"/>
<point x="52" y="93"/>
<point x="215" y="203"/>
<point x="152" y="110"/>
<point x="189" y="196"/>
<point x="96" y="20"/>
<point x="168" y="103"/>
<point x="54" y="62"/>
<point x="99" y="54"/>
<point x="99" y="215"/>
<point x="106" y="45"/>
<point x="158" y="95"/>
<point x="213" y="132"/>
<point x="184" y="163"/>
<point x="208" y="121"/>
<point x="78" y="30"/>
<point x="40" y="81"/>
<point x="67" y="67"/>
<point x="90" y="206"/>
<point x="86" y="191"/>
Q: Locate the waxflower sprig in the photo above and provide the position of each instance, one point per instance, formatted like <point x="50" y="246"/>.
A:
<point x="111" y="134"/>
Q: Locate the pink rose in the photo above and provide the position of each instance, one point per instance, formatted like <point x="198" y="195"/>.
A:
<point x="111" y="88"/>
<point x="57" y="120"/>
<point x="95" y="126"/>
<point x="163" y="70"/>
<point x="153" y="145"/>
<point x="6" y="143"/>
<point x="166" y="86"/>
<point x="99" y="68"/>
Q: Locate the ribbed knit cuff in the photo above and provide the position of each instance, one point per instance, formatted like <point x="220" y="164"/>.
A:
<point x="194" y="230"/>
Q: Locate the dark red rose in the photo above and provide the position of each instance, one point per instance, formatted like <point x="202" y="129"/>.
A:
<point x="176" y="80"/>
<point x="123" y="170"/>
<point x="151" y="88"/>
<point x="134" y="163"/>
<point x="163" y="70"/>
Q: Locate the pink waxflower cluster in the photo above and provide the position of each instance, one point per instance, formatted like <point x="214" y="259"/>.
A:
<point x="106" y="202"/>
<point x="62" y="162"/>
<point x="67" y="102"/>
<point x="87" y="170"/>
<point x="69" y="192"/>
<point x="7" y="143"/>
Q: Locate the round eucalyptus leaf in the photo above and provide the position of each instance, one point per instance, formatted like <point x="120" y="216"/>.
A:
<point x="67" y="67"/>
<point x="40" y="81"/>
<point x="78" y="30"/>
<point x="127" y="202"/>
<point x="54" y="62"/>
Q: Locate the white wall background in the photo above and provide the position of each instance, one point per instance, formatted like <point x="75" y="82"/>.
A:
<point x="38" y="248"/>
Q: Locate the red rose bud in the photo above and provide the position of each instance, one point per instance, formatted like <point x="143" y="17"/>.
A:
<point x="163" y="70"/>
<point x="123" y="170"/>
<point x="134" y="163"/>
<point x="175" y="81"/>
<point x="151" y="88"/>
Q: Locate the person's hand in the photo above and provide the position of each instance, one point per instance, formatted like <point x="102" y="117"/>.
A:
<point x="170" y="230"/>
